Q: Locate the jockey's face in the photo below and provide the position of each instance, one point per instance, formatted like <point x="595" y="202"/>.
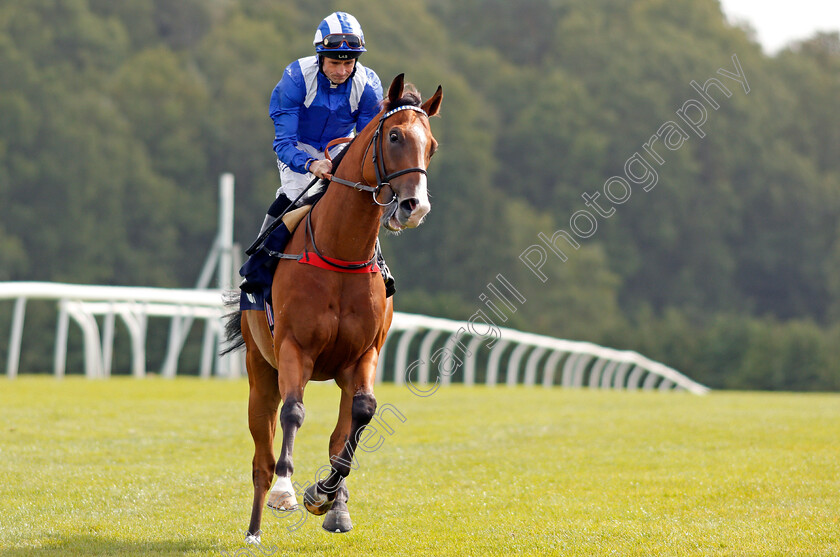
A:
<point x="337" y="71"/>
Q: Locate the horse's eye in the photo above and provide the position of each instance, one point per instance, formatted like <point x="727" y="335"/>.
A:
<point x="394" y="137"/>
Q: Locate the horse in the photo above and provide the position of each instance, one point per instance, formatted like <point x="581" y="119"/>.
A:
<point x="330" y="324"/>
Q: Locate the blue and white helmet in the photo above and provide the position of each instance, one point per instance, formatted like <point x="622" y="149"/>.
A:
<point x="340" y="36"/>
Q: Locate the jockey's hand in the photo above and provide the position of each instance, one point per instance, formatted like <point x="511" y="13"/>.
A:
<point x="321" y="168"/>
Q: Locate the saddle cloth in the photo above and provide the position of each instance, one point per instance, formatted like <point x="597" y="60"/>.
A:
<point x="258" y="270"/>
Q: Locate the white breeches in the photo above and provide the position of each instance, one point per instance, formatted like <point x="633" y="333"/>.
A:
<point x="293" y="183"/>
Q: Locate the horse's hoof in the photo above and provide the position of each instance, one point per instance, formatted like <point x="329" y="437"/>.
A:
<point x="281" y="502"/>
<point x="315" y="502"/>
<point x="252" y="539"/>
<point x="282" y="496"/>
<point x="337" y="522"/>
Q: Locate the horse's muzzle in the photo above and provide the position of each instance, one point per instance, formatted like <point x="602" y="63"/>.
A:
<point x="410" y="212"/>
<point x="412" y="205"/>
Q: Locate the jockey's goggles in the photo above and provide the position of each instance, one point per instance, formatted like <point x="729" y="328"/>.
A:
<point x="335" y="40"/>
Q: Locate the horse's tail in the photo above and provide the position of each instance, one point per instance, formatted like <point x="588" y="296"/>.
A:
<point x="233" y="323"/>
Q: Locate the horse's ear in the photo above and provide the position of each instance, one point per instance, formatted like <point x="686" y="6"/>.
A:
<point x="396" y="90"/>
<point x="432" y="106"/>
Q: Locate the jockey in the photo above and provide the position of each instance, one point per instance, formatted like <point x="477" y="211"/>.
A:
<point x="321" y="98"/>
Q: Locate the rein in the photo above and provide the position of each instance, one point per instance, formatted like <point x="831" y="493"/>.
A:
<point x="331" y="263"/>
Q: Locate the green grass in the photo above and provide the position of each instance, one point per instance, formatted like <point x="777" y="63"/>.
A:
<point x="155" y="467"/>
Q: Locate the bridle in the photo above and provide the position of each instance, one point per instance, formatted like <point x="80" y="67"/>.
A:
<point x="382" y="177"/>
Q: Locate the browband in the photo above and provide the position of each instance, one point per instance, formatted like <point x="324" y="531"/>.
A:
<point x="404" y="107"/>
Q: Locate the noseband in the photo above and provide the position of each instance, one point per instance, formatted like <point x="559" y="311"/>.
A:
<point x="382" y="177"/>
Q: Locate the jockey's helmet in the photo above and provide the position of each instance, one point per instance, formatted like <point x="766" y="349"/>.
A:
<point x="339" y="36"/>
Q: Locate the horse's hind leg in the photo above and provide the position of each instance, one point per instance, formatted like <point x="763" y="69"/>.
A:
<point x="263" y="401"/>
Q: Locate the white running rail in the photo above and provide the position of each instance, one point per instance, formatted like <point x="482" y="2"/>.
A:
<point x="134" y="305"/>
<point x="420" y="350"/>
<point x="529" y="359"/>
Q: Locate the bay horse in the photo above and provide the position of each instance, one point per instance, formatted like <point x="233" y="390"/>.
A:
<point x="331" y="324"/>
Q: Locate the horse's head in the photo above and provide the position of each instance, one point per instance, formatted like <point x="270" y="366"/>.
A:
<point x="402" y="151"/>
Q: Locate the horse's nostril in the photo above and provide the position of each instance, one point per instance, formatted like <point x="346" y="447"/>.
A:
<point x="409" y="205"/>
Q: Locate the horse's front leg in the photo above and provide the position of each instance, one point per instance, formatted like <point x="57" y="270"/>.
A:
<point x="334" y="504"/>
<point x="358" y="406"/>
<point x="294" y="369"/>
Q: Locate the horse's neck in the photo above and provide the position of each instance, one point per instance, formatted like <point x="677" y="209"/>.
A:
<point x="346" y="222"/>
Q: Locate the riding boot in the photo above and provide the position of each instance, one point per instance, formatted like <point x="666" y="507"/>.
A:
<point x="281" y="203"/>
<point x="390" y="285"/>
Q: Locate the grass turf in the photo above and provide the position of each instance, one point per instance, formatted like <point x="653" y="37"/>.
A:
<point x="156" y="467"/>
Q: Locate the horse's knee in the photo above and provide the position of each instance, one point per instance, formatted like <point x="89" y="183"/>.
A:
<point x="292" y="414"/>
<point x="364" y="408"/>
